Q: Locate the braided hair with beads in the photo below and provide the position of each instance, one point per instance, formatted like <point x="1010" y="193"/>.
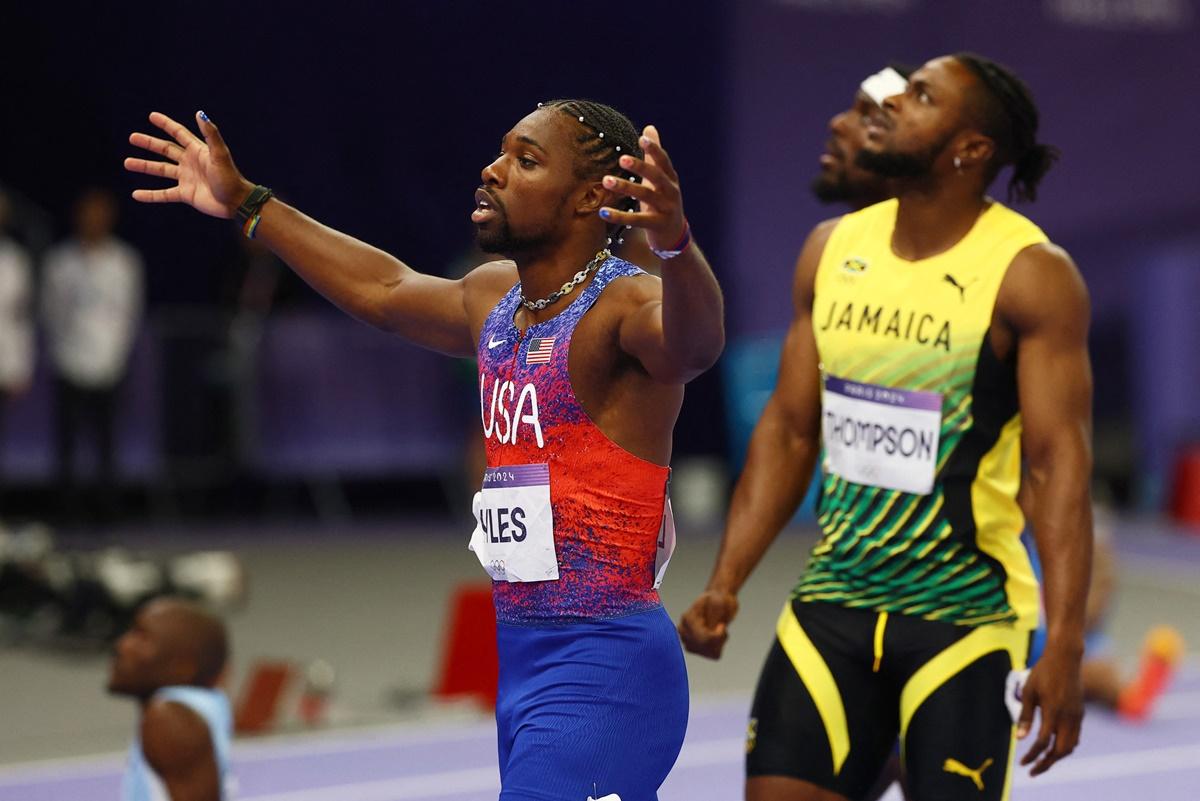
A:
<point x="605" y="135"/>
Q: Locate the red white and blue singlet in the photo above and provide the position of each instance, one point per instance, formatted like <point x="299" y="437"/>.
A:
<point x="607" y="503"/>
<point x="593" y="691"/>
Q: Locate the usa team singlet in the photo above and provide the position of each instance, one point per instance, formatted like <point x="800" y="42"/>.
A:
<point x="575" y="532"/>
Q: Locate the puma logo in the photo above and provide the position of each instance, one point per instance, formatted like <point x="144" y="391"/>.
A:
<point x="962" y="288"/>
<point x="959" y="769"/>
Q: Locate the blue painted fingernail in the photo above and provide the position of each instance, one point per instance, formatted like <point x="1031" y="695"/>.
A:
<point x="204" y="117"/>
<point x="605" y="213"/>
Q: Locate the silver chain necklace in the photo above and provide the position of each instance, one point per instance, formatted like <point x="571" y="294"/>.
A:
<point x="580" y="277"/>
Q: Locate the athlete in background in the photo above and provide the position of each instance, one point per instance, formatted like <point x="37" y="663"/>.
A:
<point x="170" y="661"/>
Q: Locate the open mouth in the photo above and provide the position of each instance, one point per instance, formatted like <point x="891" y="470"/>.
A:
<point x="486" y="207"/>
<point x="832" y="156"/>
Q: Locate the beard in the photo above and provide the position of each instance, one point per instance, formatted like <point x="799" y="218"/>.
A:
<point x="894" y="164"/>
<point x="832" y="188"/>
<point x="496" y="239"/>
<point x="855" y="190"/>
<point x="499" y="239"/>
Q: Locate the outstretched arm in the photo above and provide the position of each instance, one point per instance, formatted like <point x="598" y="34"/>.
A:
<point x="680" y="335"/>
<point x="360" y="279"/>
<point x="1044" y="300"/>
<point x="779" y="466"/>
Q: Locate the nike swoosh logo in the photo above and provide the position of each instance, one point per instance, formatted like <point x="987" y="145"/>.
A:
<point x="492" y="343"/>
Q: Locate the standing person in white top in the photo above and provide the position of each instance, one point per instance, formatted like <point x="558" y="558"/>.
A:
<point x="16" y="323"/>
<point x="170" y="661"/>
<point x="92" y="307"/>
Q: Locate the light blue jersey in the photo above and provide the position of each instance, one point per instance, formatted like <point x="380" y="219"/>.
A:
<point x="141" y="783"/>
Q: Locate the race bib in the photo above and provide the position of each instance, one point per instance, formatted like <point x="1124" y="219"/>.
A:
<point x="666" y="543"/>
<point x="514" y="524"/>
<point x="880" y="436"/>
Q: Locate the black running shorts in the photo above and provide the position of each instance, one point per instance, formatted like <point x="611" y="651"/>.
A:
<point x="840" y="684"/>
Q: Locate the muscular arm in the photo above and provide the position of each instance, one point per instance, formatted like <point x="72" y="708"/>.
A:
<point x="178" y="747"/>
<point x="1044" y="302"/>
<point x="779" y="466"/>
<point x="369" y="284"/>
<point x="679" y="335"/>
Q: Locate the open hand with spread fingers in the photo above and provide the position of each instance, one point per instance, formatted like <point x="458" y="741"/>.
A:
<point x="203" y="169"/>
<point x="660" y="201"/>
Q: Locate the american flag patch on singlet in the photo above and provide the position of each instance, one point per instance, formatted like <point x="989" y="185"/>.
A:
<point x="539" y="351"/>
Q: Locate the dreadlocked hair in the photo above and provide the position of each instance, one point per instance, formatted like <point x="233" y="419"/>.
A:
<point x="605" y="135"/>
<point x="1008" y="116"/>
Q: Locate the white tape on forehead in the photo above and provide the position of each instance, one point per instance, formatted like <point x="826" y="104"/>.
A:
<point x="885" y="83"/>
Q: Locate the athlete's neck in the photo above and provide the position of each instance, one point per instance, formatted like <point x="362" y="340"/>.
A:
<point x="544" y="272"/>
<point x="861" y="201"/>
<point x="935" y="217"/>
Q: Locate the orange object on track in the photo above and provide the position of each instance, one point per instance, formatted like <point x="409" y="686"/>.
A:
<point x="470" y="665"/>
<point x="258" y="706"/>
<point x="1185" y="488"/>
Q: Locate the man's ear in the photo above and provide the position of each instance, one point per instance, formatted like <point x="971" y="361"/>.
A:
<point x="975" y="149"/>
<point x="594" y="198"/>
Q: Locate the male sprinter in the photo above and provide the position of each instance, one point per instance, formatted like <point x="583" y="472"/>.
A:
<point x="170" y="660"/>
<point x="582" y="361"/>
<point x="937" y="337"/>
<point x="841" y="180"/>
